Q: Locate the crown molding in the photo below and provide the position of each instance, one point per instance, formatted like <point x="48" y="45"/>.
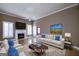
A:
<point x="59" y="10"/>
<point x="13" y="15"/>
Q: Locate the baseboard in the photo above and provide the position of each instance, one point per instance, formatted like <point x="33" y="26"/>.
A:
<point x="75" y="47"/>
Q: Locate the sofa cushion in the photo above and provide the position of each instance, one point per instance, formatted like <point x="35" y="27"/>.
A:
<point x="57" y="38"/>
<point x="48" y="36"/>
<point x="2" y="50"/>
<point x="56" y="42"/>
<point x="51" y="41"/>
<point x="43" y="36"/>
<point x="5" y="44"/>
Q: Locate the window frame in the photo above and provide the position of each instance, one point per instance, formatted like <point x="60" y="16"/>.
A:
<point x="8" y="29"/>
<point x="29" y="30"/>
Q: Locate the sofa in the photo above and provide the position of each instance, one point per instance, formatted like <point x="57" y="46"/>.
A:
<point x="50" y="40"/>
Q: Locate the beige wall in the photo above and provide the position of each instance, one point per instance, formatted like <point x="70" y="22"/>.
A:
<point x="69" y="19"/>
<point x="4" y="17"/>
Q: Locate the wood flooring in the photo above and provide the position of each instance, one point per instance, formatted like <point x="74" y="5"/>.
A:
<point x="72" y="52"/>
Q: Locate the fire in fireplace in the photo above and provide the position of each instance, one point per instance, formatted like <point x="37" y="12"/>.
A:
<point x="20" y="35"/>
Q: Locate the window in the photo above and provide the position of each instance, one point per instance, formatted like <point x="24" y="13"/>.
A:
<point x="7" y="29"/>
<point x="38" y="30"/>
<point x="29" y="29"/>
<point x="34" y="30"/>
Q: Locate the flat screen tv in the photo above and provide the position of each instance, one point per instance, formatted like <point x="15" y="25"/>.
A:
<point x="20" y="25"/>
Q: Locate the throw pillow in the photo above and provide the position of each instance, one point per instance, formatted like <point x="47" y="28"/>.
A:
<point x="43" y="36"/>
<point x="57" y="37"/>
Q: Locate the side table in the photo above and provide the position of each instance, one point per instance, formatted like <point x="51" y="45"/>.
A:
<point x="67" y="45"/>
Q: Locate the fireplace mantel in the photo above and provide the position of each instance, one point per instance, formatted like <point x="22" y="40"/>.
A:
<point x="19" y="32"/>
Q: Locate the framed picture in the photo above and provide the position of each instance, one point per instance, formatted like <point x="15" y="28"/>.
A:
<point x="56" y="29"/>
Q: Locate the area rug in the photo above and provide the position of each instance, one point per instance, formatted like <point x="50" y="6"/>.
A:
<point x="51" y="51"/>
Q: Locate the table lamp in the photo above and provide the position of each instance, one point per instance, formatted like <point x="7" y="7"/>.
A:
<point x="67" y="36"/>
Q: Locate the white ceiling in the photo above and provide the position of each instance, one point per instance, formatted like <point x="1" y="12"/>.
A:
<point x="32" y="11"/>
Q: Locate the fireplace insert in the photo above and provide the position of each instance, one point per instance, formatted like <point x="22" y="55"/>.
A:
<point x="20" y="35"/>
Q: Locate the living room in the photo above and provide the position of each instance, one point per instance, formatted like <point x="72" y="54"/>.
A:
<point x="52" y="32"/>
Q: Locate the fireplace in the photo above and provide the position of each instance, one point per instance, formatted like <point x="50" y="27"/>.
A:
<point x="20" y="35"/>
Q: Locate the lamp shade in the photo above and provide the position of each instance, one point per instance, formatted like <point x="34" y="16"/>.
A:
<point x="67" y="34"/>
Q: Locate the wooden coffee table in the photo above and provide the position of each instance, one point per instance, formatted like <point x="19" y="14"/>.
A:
<point x="38" y="50"/>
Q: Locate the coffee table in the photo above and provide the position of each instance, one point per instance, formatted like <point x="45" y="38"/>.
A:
<point x="38" y="50"/>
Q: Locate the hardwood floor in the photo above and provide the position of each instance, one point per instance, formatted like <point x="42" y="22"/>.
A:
<point x="72" y="52"/>
<point x="69" y="52"/>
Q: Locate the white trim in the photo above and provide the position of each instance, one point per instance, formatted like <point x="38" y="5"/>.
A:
<point x="13" y="15"/>
<point x="59" y="10"/>
<point x="20" y="31"/>
<point x="75" y="47"/>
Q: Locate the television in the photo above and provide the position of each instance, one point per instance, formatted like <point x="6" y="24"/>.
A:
<point x="20" y="25"/>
